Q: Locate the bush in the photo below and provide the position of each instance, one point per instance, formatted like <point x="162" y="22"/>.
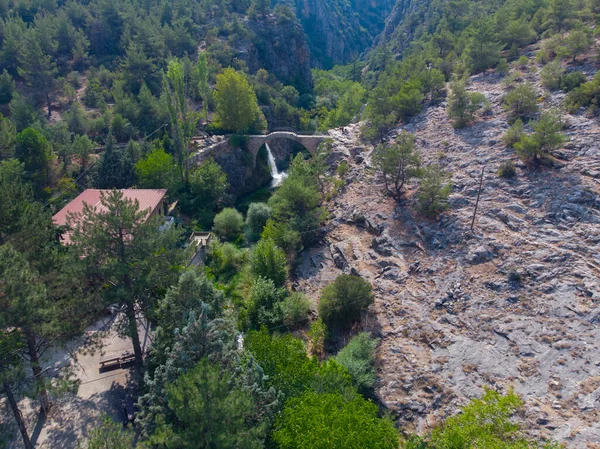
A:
<point x="462" y="105"/>
<point x="523" y="61"/>
<point x="547" y="137"/>
<point x="343" y="300"/>
<point x="522" y="101"/>
<point x="434" y="191"/>
<point x="284" y="361"/>
<point x="317" y="336"/>
<point x="268" y="261"/>
<point x="208" y="184"/>
<point x="572" y="81"/>
<point x="295" y="309"/>
<point x="359" y="359"/>
<point x="228" y="224"/>
<point x="256" y="219"/>
<point x="224" y="259"/>
<point x="263" y="305"/>
<point x="551" y="74"/>
<point x="513" y="134"/>
<point x="507" y="169"/>
<point x="330" y="417"/>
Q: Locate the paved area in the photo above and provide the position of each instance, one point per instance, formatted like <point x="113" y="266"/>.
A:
<point x="75" y="414"/>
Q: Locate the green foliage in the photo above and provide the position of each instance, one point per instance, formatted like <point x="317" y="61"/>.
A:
<point x="507" y="170"/>
<point x="225" y="259"/>
<point x="307" y="422"/>
<point x="156" y="171"/>
<point x="462" y="105"/>
<point x="577" y="41"/>
<point x="513" y="134"/>
<point x="193" y="296"/>
<point x="256" y="218"/>
<point x="552" y="74"/>
<point x="229" y="224"/>
<point x="7" y="87"/>
<point x="264" y="303"/>
<point x="434" y="190"/>
<point x="586" y="95"/>
<point x="8" y="133"/>
<point x="484" y="423"/>
<point x="343" y="301"/>
<point x="398" y="163"/>
<point x="317" y="335"/>
<point x="572" y="81"/>
<point x="521" y="102"/>
<point x="296" y="207"/>
<point x="110" y="435"/>
<point x="208" y="184"/>
<point x="34" y="151"/>
<point x="547" y="137"/>
<point x="146" y="257"/>
<point x="236" y="103"/>
<point x="269" y="262"/>
<point x="358" y="356"/>
<point x="209" y="411"/>
<point x="283" y="358"/>
<point x="295" y="309"/>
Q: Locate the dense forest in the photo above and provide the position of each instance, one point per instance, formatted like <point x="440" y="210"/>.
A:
<point x="115" y="95"/>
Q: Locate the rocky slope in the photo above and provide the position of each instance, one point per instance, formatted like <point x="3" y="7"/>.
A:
<point x="339" y="30"/>
<point x="450" y="309"/>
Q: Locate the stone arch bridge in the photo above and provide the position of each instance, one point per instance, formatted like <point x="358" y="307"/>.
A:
<point x="255" y="142"/>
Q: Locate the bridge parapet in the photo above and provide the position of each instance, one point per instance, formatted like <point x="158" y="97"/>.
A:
<point x="255" y="142"/>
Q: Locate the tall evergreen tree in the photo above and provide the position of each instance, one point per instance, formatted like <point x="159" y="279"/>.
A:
<point x="126" y="253"/>
<point x="38" y="70"/>
<point x="110" y="171"/>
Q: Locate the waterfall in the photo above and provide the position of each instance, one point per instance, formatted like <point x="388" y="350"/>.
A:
<point x="277" y="176"/>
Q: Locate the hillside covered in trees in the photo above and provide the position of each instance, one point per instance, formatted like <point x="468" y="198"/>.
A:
<point x="425" y="279"/>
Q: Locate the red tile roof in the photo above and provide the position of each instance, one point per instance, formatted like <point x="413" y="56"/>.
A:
<point x="149" y="199"/>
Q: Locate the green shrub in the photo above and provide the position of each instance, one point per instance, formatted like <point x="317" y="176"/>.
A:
<point x="551" y="74"/>
<point x="229" y="224"/>
<point x="263" y="303"/>
<point x="343" y="300"/>
<point x="523" y="61"/>
<point x="224" y="259"/>
<point x="329" y="417"/>
<point x="572" y="81"/>
<point x="521" y="101"/>
<point x="507" y="169"/>
<point x="295" y="309"/>
<point x="284" y="360"/>
<point x="547" y="137"/>
<point x="317" y="336"/>
<point x="513" y="134"/>
<point x="342" y="169"/>
<point x="359" y="359"/>
<point x="256" y="219"/>
<point x="238" y="141"/>
<point x="269" y="262"/>
<point x="434" y="190"/>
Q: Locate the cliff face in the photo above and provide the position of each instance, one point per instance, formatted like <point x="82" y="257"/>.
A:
<point x="339" y="30"/>
<point x="279" y="46"/>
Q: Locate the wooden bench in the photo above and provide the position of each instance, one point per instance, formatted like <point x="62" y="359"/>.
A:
<point x="113" y="361"/>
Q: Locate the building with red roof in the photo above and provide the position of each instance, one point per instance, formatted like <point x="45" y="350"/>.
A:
<point x="150" y="200"/>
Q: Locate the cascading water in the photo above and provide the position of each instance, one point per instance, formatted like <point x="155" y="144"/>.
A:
<point x="277" y="176"/>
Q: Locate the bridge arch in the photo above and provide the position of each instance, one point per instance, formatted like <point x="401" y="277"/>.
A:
<point x="310" y="142"/>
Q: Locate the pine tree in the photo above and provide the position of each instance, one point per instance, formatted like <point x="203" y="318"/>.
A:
<point x="109" y="175"/>
<point x="11" y="370"/>
<point x="38" y="70"/>
<point x="124" y="251"/>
